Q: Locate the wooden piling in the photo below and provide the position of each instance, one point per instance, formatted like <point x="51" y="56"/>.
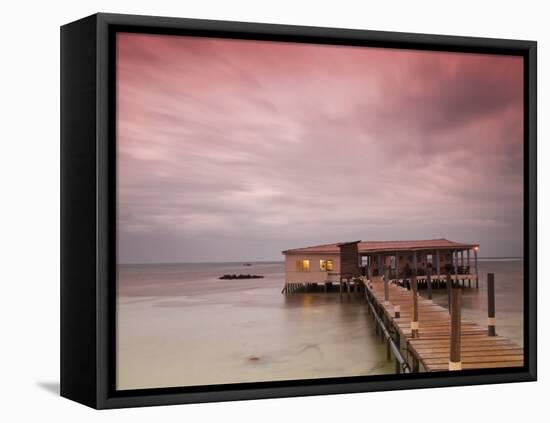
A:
<point x="386" y="285"/>
<point x="491" y="320"/>
<point x="429" y="282"/>
<point x="438" y="264"/>
<point x="455" y="266"/>
<point x="414" y="320"/>
<point x="449" y="287"/>
<point x="454" y="359"/>
<point x="396" y="265"/>
<point x="477" y="272"/>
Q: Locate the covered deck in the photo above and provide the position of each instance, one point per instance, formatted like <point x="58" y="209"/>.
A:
<point x="428" y="260"/>
<point x="433" y="262"/>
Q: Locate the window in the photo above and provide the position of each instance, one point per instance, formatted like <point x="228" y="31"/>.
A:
<point x="326" y="265"/>
<point x="303" y="265"/>
<point x="429" y="258"/>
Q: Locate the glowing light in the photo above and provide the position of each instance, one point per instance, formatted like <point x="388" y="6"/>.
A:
<point x="303" y="265"/>
<point x="326" y="265"/>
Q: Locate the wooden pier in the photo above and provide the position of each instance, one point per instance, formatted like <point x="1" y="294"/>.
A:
<point x="423" y="334"/>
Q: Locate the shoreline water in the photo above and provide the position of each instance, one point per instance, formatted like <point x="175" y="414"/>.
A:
<point x="178" y="325"/>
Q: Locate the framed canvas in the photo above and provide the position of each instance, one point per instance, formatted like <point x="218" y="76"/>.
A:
<point x="257" y="211"/>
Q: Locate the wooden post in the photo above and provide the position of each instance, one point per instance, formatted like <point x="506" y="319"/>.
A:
<point x="454" y="360"/>
<point x="449" y="287"/>
<point x="468" y="267"/>
<point x="455" y="265"/>
<point x="397" y="265"/>
<point x="477" y="273"/>
<point x="438" y="264"/>
<point x="415" y="264"/>
<point x="429" y="282"/>
<point x="414" y="320"/>
<point x="462" y="258"/>
<point x="491" y="320"/>
<point x="379" y="265"/>
<point x="386" y="285"/>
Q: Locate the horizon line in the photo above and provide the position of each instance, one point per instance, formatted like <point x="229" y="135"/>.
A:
<point x="265" y="261"/>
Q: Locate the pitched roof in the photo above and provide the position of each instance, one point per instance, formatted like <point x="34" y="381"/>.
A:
<point x="379" y="246"/>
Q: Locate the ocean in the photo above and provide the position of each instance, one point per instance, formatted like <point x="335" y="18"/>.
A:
<point x="179" y="325"/>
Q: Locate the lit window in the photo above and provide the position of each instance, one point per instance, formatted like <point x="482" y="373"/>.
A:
<point x="303" y="265"/>
<point x="326" y="265"/>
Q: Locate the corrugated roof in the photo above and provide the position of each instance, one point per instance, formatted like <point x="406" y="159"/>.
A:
<point x="379" y="246"/>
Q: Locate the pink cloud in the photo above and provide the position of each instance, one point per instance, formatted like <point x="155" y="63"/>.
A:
<point x="243" y="143"/>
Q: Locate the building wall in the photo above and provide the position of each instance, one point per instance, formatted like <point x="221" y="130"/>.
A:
<point x="315" y="274"/>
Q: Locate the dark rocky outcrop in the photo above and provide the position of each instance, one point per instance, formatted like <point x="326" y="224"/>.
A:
<point x="241" y="277"/>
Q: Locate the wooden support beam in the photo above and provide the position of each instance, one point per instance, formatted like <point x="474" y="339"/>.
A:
<point x="455" y="265"/>
<point x="437" y="264"/>
<point x="477" y="273"/>
<point x="429" y="282"/>
<point x="414" y="320"/>
<point x="469" y="265"/>
<point x="491" y="319"/>
<point x="386" y="285"/>
<point x="397" y="265"/>
<point x="455" y="360"/>
<point x="449" y="283"/>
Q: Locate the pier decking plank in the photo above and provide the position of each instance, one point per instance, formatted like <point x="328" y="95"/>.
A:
<point x="432" y="346"/>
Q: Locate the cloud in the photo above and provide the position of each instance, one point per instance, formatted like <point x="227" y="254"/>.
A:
<point x="246" y="148"/>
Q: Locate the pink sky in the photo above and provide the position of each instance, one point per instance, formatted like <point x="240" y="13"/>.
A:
<point x="234" y="150"/>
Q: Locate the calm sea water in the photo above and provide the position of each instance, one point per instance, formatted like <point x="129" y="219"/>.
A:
<point x="178" y="325"/>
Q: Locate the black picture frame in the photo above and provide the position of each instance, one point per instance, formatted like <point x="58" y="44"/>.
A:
<point x="88" y="200"/>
